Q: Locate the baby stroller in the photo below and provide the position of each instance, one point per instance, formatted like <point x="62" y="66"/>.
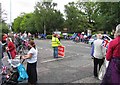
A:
<point x="15" y="74"/>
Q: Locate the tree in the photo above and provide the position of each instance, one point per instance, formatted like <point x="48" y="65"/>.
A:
<point x="90" y="12"/>
<point x="4" y="27"/>
<point x="72" y="17"/>
<point x="25" y="22"/>
<point x="92" y="15"/>
<point x="49" y="18"/>
<point x="109" y="15"/>
<point x="16" y="24"/>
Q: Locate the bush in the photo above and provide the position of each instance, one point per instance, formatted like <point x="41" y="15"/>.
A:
<point x="61" y="36"/>
<point x="1" y="36"/>
<point x="49" y="36"/>
<point x="70" y="34"/>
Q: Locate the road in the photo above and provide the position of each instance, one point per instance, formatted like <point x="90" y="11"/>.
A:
<point x="75" y="67"/>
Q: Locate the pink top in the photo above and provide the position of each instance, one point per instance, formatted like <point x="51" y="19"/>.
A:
<point x="113" y="49"/>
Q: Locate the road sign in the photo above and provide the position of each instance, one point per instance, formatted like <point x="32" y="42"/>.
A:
<point x="61" y="51"/>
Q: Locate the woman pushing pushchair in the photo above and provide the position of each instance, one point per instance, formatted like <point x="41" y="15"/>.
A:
<point x="15" y="73"/>
<point x="31" y="63"/>
<point x="31" y="58"/>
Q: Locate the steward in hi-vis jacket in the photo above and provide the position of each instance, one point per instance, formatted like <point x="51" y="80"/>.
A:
<point x="55" y="44"/>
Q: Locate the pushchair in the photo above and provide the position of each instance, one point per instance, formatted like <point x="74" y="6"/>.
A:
<point x="12" y="75"/>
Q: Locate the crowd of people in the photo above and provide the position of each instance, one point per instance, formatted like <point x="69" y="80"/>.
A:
<point x="10" y="44"/>
<point x="78" y="37"/>
<point x="12" y="41"/>
<point x="101" y="52"/>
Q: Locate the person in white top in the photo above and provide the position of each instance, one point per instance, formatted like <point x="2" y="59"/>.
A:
<point x="31" y="63"/>
<point x="98" y="54"/>
<point x="25" y="35"/>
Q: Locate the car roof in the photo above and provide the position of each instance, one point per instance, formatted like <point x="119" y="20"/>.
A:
<point x="107" y="36"/>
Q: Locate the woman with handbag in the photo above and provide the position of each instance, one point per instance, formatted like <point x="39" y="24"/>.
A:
<point x="112" y="75"/>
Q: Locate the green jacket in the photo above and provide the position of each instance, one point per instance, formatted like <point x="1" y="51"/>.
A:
<point x="55" y="42"/>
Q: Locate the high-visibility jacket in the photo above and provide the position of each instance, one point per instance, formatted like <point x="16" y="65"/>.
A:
<point x="55" y="42"/>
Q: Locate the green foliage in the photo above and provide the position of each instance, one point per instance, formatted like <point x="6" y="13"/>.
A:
<point x="70" y="34"/>
<point x="49" y="36"/>
<point x="109" y="15"/>
<point x="79" y="16"/>
<point x="48" y="18"/>
<point x="44" y="17"/>
<point x="16" y="24"/>
<point x="4" y="28"/>
<point x="61" y="36"/>
<point x="25" y="22"/>
<point x="92" y="15"/>
<point x="72" y="17"/>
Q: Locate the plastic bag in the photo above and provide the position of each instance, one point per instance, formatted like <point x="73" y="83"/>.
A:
<point x="103" y="69"/>
<point x="22" y="73"/>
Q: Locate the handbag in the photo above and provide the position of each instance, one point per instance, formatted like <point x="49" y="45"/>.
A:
<point x="103" y="69"/>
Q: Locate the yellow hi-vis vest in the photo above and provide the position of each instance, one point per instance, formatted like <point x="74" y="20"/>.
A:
<point x="55" y="42"/>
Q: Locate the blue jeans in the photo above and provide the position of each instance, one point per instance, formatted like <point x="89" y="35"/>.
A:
<point x="55" y="49"/>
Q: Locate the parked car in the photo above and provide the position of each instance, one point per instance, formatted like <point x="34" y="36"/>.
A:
<point x="94" y="37"/>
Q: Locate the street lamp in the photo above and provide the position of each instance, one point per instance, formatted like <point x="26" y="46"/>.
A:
<point x="10" y="17"/>
<point x="3" y="16"/>
<point x="0" y="20"/>
<point x="47" y="4"/>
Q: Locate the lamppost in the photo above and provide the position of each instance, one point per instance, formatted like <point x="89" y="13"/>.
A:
<point x="0" y="19"/>
<point x="10" y="18"/>
<point x="0" y="12"/>
<point x="47" y="4"/>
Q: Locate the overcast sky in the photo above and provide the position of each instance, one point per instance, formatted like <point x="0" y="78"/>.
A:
<point x="27" y="6"/>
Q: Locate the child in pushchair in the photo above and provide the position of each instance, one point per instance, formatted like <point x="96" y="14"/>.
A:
<point x="16" y="73"/>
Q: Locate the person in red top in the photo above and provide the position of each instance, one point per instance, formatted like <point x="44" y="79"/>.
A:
<point x="4" y="37"/>
<point x="11" y="48"/>
<point x="112" y="75"/>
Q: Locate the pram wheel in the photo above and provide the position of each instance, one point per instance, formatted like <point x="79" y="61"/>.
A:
<point x="12" y="80"/>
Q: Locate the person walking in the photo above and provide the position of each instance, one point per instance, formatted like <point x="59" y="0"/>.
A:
<point x="112" y="75"/>
<point x="55" y="44"/>
<point x="1" y="55"/>
<point x="11" y="50"/>
<point x="97" y="54"/>
<point x="31" y="63"/>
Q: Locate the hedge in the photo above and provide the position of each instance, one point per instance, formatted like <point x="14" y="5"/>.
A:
<point x="50" y="37"/>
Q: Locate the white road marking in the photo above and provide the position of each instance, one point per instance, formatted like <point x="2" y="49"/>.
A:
<point x="87" y="47"/>
<point x="87" y="65"/>
<point x="40" y="48"/>
<point x="51" y="60"/>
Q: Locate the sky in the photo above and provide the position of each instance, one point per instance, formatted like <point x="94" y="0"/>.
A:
<point x="27" y="6"/>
